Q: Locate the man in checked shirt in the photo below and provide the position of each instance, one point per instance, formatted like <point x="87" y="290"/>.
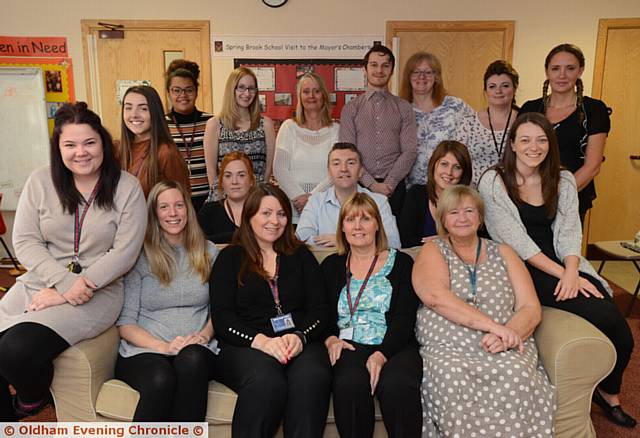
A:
<point x="383" y="127"/>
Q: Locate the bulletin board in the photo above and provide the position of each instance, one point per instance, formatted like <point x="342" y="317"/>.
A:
<point x="277" y="79"/>
<point x="57" y="77"/>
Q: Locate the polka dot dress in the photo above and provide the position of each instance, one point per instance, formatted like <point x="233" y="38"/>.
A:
<point x="468" y="392"/>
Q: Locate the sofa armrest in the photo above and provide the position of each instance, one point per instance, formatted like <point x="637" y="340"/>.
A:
<point x="576" y="356"/>
<point x="79" y="372"/>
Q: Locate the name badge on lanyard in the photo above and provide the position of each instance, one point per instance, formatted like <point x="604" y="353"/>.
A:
<point x="283" y="321"/>
<point x="74" y="265"/>
<point x="346" y="333"/>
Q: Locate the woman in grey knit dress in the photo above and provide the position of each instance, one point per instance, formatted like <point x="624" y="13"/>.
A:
<point x="167" y="352"/>
<point x="78" y="230"/>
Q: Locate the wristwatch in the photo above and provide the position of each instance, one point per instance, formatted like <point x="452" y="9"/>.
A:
<point x="302" y="337"/>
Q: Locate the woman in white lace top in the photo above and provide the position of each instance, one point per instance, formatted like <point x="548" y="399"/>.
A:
<point x="303" y="144"/>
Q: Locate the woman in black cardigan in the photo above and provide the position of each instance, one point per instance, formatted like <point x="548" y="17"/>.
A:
<point x="270" y="313"/>
<point x="370" y="339"/>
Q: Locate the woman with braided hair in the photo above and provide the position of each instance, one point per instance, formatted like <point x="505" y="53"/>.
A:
<point x="580" y="122"/>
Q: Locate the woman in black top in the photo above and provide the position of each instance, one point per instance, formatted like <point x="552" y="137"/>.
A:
<point x="220" y="219"/>
<point x="450" y="164"/>
<point x="187" y="123"/>
<point x="270" y="311"/>
<point x="370" y="339"/>
<point x="580" y="122"/>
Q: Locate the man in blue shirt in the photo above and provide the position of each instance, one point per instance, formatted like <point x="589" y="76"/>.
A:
<point x="319" y="219"/>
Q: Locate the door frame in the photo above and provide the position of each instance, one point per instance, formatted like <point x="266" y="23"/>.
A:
<point x="604" y="25"/>
<point x="393" y="27"/>
<point x="92" y="79"/>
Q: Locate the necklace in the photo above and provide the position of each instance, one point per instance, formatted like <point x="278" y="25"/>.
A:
<point x="504" y="133"/>
<point x="473" y="274"/>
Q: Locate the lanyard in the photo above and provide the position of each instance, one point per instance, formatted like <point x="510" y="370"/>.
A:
<point x="233" y="219"/>
<point x="79" y="220"/>
<point x="473" y="274"/>
<point x="504" y="133"/>
<point x="187" y="145"/>
<point x="273" y="285"/>
<point x="354" y="306"/>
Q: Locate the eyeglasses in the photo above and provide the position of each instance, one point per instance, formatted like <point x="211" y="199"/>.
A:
<point x="423" y="73"/>
<point x="177" y="91"/>
<point x="242" y="88"/>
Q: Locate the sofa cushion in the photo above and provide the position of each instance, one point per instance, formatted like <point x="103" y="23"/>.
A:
<point x="118" y="401"/>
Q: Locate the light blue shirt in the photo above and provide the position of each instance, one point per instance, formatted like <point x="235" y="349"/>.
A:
<point x="320" y="216"/>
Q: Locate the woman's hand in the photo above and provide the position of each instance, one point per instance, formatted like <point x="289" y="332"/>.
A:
<point x="569" y="284"/>
<point x="335" y="347"/>
<point x="172" y="348"/>
<point x="374" y="365"/>
<point x="587" y="288"/>
<point x="274" y="347"/>
<point x="510" y="339"/>
<point x="294" y="345"/>
<point x="47" y="297"/>
<point x="492" y="344"/>
<point x="80" y="292"/>
<point x="300" y="201"/>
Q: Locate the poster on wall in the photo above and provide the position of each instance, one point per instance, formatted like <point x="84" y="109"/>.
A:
<point x="293" y="46"/>
<point x="51" y="54"/>
<point x="343" y="78"/>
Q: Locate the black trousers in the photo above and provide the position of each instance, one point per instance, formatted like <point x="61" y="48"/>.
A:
<point x="172" y="388"/>
<point x="396" y="200"/>
<point x="602" y="313"/>
<point x="296" y="393"/>
<point x="27" y="351"/>
<point x="398" y="391"/>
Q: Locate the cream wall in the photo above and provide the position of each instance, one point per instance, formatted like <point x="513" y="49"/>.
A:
<point x="539" y="24"/>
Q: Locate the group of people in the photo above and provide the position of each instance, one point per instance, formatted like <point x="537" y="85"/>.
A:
<point x="445" y="344"/>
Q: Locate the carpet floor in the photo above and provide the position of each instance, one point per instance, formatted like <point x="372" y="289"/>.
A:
<point x="630" y="396"/>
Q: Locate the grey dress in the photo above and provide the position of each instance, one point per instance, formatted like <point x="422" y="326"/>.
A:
<point x="43" y="240"/>
<point x="165" y="311"/>
<point x="466" y="389"/>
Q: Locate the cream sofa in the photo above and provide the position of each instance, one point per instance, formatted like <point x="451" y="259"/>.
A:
<point x="575" y="354"/>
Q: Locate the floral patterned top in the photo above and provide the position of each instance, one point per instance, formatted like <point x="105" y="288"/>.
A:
<point x="369" y="323"/>
<point x="479" y="141"/>
<point x="434" y="127"/>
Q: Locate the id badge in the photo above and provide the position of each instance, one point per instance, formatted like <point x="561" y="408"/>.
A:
<point x="282" y="322"/>
<point x="346" y="333"/>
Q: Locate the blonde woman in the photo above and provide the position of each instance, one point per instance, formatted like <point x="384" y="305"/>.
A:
<point x="304" y="142"/>
<point x="239" y="127"/>
<point x="167" y="352"/>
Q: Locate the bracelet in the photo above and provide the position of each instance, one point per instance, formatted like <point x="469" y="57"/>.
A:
<point x="302" y="337"/>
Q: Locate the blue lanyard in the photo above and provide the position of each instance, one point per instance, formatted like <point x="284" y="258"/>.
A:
<point x="473" y="274"/>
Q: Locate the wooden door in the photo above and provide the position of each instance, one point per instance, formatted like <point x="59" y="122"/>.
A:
<point x="616" y="80"/>
<point x="465" y="49"/>
<point x="143" y="54"/>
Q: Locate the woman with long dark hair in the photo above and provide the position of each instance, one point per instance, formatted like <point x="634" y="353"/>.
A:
<point x="77" y="241"/>
<point x="269" y="311"/>
<point x="532" y="205"/>
<point x="146" y="148"/>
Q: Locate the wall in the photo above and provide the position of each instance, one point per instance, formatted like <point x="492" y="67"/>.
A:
<point x="539" y="24"/>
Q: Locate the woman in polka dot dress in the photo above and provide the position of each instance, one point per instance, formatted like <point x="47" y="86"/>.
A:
<point x="481" y="371"/>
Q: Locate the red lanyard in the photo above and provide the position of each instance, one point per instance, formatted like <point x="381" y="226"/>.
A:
<point x="77" y="225"/>
<point x="273" y="285"/>
<point x="187" y="145"/>
<point x="354" y="306"/>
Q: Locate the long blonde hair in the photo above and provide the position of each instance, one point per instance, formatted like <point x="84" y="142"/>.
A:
<point x="326" y="103"/>
<point x="160" y="254"/>
<point x="230" y="114"/>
